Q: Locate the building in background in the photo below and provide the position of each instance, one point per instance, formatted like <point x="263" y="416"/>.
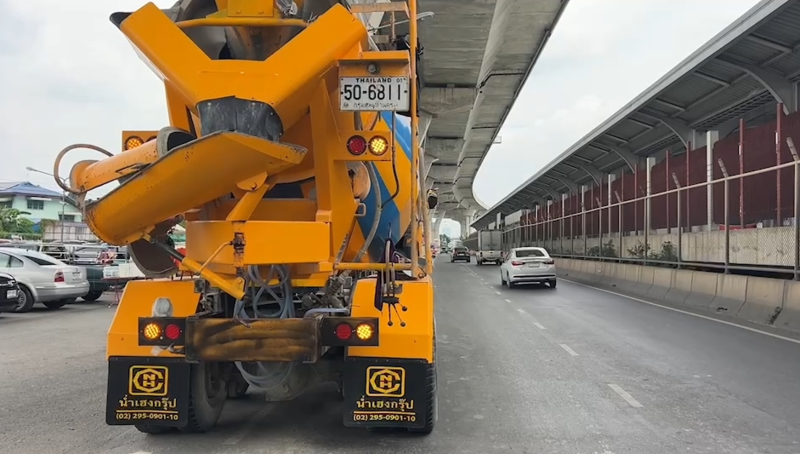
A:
<point x="41" y="203"/>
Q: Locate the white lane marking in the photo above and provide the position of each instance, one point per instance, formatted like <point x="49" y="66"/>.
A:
<point x="142" y="452"/>
<point x="538" y="325"/>
<point x="518" y="309"/>
<point x="250" y="425"/>
<point x="628" y="398"/>
<point x="498" y="293"/>
<point x="777" y="336"/>
<point x="508" y="300"/>
<point x="569" y="350"/>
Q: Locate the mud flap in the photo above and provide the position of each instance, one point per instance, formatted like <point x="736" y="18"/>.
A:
<point x="148" y="391"/>
<point x="385" y="393"/>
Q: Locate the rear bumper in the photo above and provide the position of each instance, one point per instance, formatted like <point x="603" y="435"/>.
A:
<point x="273" y="340"/>
<point x="59" y="292"/>
<point x="531" y="278"/>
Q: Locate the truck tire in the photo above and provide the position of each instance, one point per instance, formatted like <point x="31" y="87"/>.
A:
<point x="207" y="394"/>
<point x="152" y="430"/>
<point x="92" y="296"/>
<point x="431" y="399"/>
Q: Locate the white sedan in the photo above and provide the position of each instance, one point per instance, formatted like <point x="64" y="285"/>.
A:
<point x="528" y="265"/>
<point x="43" y="279"/>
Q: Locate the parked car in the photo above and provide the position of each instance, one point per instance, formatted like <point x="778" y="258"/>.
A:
<point x="9" y="293"/>
<point x="528" y="265"/>
<point x="460" y="253"/>
<point x="43" y="279"/>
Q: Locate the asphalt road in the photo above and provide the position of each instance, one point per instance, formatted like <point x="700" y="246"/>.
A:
<point x="524" y="370"/>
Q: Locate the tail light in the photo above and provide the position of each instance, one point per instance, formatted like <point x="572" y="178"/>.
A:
<point x="162" y="331"/>
<point x="516" y="263"/>
<point x="59" y="277"/>
<point x="378" y="145"/>
<point x="357" y="145"/>
<point x="348" y="332"/>
<point x="549" y="262"/>
<point x="133" y="142"/>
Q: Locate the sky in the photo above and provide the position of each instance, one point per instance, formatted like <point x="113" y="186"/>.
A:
<point x="69" y="76"/>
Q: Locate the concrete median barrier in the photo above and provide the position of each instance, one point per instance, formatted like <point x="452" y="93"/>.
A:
<point x="680" y="287"/>
<point x="763" y="300"/>
<point x="731" y="293"/>
<point x="753" y="299"/>
<point x="645" y="281"/>
<point x="662" y="280"/>
<point x="703" y="290"/>
<point x="789" y="318"/>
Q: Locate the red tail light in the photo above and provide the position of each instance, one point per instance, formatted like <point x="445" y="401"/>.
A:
<point x="516" y="263"/>
<point x="172" y="331"/>
<point x="357" y="145"/>
<point x="549" y="262"/>
<point x="59" y="276"/>
<point x="344" y="331"/>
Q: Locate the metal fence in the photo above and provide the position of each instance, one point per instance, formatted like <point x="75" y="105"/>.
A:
<point x="727" y="238"/>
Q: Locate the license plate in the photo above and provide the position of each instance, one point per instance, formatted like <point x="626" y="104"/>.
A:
<point x="374" y="94"/>
<point x="533" y="265"/>
<point x="11" y="294"/>
<point x="76" y="275"/>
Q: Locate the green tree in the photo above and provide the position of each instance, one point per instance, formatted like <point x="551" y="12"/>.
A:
<point x="11" y="221"/>
<point x="444" y="239"/>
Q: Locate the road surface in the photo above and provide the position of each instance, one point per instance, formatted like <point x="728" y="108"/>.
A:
<point x="523" y="370"/>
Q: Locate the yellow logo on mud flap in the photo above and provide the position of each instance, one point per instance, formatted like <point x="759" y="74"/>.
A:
<point x="148" y="381"/>
<point x="384" y="381"/>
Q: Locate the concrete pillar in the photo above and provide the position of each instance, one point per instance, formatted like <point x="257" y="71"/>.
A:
<point x="611" y="179"/>
<point x="649" y="191"/>
<point x="712" y="137"/>
<point x="438" y="224"/>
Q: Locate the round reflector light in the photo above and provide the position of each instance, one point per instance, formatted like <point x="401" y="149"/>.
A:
<point x="344" y="331"/>
<point x="364" y="331"/>
<point x="378" y="145"/>
<point x="357" y="145"/>
<point x="133" y="142"/>
<point x="172" y="331"/>
<point x="152" y="331"/>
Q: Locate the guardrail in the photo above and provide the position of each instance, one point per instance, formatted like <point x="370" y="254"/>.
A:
<point x="728" y="239"/>
<point x="771" y="302"/>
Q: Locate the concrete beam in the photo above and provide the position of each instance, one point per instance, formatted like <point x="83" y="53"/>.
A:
<point x="780" y="88"/>
<point x="441" y="147"/>
<point x="443" y="101"/>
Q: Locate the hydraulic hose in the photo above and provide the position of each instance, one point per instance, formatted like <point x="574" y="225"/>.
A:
<point x="267" y="375"/>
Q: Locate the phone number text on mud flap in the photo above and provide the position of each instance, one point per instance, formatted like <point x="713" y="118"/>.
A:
<point x="147" y="415"/>
<point x="384" y="417"/>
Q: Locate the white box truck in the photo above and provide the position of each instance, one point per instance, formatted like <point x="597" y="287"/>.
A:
<point x="490" y="246"/>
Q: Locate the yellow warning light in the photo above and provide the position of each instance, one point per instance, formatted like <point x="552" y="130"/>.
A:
<point x="364" y="331"/>
<point x="133" y="142"/>
<point x="378" y="145"/>
<point x="152" y="331"/>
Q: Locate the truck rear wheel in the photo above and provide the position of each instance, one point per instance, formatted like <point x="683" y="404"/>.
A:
<point x="431" y="399"/>
<point x="207" y="394"/>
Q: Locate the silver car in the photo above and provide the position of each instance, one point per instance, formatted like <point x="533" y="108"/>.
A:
<point x="525" y="265"/>
<point x="43" y="279"/>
